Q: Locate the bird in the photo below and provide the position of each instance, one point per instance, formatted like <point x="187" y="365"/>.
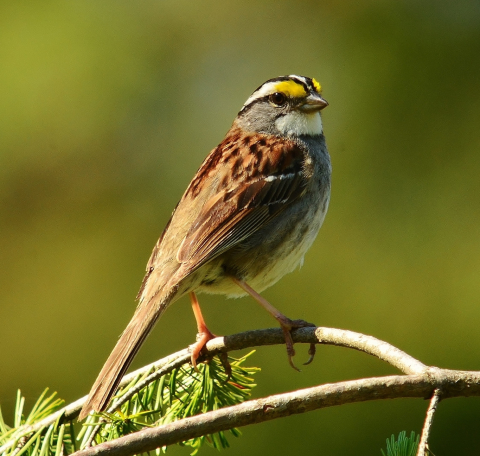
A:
<point x="247" y="218"/>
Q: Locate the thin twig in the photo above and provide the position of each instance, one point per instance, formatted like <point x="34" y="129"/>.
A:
<point x="432" y="408"/>
<point x="331" y="336"/>
<point x="320" y="335"/>
<point x="93" y="434"/>
<point x="156" y="374"/>
<point x="21" y="443"/>
<point x="248" y="339"/>
<point x="281" y="405"/>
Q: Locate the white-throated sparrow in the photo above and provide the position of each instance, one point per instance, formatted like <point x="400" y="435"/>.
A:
<point x="247" y="218"/>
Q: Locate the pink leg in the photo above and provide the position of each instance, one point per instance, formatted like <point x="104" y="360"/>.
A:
<point x="204" y="334"/>
<point x="285" y="323"/>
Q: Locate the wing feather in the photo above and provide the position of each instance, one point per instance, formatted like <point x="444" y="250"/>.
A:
<point x="234" y="214"/>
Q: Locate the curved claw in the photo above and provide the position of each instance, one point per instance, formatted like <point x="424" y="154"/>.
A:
<point x="290" y="361"/>
<point x="226" y="365"/>
<point x="310" y="359"/>
<point x="193" y="358"/>
<point x="289" y="344"/>
<point x="285" y="323"/>
<point x="311" y="352"/>
<point x="202" y="338"/>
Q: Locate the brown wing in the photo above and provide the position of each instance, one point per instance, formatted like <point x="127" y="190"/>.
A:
<point x="265" y="182"/>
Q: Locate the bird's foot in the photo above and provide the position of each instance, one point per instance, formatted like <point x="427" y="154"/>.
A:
<point x="202" y="338"/>
<point x="196" y="351"/>
<point x="288" y="326"/>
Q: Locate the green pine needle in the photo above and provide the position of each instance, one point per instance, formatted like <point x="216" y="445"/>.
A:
<point x="182" y="393"/>
<point x="46" y="441"/>
<point x="403" y="446"/>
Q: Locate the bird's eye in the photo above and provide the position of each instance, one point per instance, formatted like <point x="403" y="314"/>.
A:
<point x="278" y="98"/>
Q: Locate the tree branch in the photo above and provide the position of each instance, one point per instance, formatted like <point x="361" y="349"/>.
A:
<point x="453" y="384"/>
<point x="421" y="382"/>
<point x="432" y="408"/>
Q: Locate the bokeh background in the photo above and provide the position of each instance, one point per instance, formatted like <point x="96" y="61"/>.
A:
<point x="108" y="108"/>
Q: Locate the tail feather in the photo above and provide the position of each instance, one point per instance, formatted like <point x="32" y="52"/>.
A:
<point x="130" y="341"/>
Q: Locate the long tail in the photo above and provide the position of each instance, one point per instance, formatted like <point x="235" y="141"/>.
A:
<point x="142" y="322"/>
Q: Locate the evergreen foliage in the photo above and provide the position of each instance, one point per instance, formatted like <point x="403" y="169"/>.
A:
<point x="403" y="446"/>
<point x="182" y="393"/>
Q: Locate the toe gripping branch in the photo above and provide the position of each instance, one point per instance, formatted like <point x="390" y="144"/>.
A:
<point x="286" y="323"/>
<point x="203" y="336"/>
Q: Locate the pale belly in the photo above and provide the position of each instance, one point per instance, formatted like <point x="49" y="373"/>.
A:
<point x="268" y="264"/>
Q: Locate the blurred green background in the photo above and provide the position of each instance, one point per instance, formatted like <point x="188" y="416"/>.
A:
<point x="107" y="110"/>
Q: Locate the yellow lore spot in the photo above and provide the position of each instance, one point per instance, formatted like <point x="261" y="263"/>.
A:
<point x="317" y="86"/>
<point x="291" y="89"/>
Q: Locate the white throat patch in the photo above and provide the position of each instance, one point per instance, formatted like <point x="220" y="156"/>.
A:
<point x="300" y="123"/>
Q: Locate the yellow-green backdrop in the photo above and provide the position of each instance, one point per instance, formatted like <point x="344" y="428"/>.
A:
<point x="107" y="109"/>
